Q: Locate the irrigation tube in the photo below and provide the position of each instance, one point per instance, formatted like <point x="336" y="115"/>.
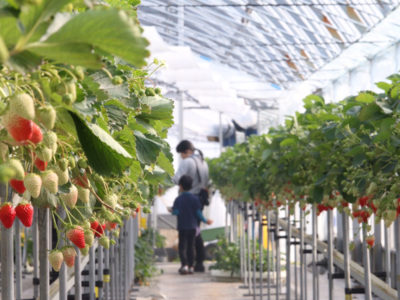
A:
<point x="288" y="240"/>
<point x="330" y="253"/>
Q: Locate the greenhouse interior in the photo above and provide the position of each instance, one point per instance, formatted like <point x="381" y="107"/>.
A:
<point x="221" y="149"/>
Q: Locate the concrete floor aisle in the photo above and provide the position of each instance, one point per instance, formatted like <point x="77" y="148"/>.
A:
<point x="199" y="286"/>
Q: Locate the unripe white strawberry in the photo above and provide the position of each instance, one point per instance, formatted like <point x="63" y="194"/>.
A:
<point x="33" y="184"/>
<point x="19" y="169"/>
<point x="89" y="237"/>
<point x="50" y="181"/>
<point x="23" y="106"/>
<point x="71" y="197"/>
<point x="26" y="196"/>
<point x="85" y="251"/>
<point x="105" y="242"/>
<point x="112" y="200"/>
<point x="56" y="259"/>
<point x="83" y="194"/>
<point x="62" y="176"/>
<point x="63" y="164"/>
<point x="44" y="154"/>
<point x="47" y="116"/>
<point x="50" y="141"/>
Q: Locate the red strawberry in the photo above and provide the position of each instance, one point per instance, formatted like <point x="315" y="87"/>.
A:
<point x="77" y="236"/>
<point x="100" y="230"/>
<point x="19" y="128"/>
<point x="363" y="201"/>
<point x="7" y="215"/>
<point x="18" y="185"/>
<point x="69" y="254"/>
<point x="24" y="212"/>
<point x="56" y="259"/>
<point x="94" y="225"/>
<point x="40" y="164"/>
<point x="37" y="135"/>
<point x="81" y="180"/>
<point x="111" y="225"/>
<point x="370" y="241"/>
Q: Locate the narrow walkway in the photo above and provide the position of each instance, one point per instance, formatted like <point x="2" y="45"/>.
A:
<point x="199" y="286"/>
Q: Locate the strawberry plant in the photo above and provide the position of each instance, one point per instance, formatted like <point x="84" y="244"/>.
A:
<point x="78" y="130"/>
<point x="340" y="155"/>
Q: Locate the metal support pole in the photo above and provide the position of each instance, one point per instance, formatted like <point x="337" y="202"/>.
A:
<point x="260" y="238"/>
<point x="397" y="241"/>
<point x="78" y="276"/>
<point x="92" y="275"/>
<point x="7" y="253"/>
<point x="100" y="270"/>
<point x="248" y="251"/>
<point x="288" y="239"/>
<point x="296" y="263"/>
<point x="270" y="257"/>
<point x="387" y="256"/>
<point x="330" y="253"/>
<point x="35" y="239"/>
<point x="43" y="216"/>
<point x="278" y="252"/>
<point x="303" y="269"/>
<point x="253" y="238"/>
<point x="18" y="271"/>
<point x="367" y="265"/>
<point x="106" y="273"/>
<point x="346" y="254"/>
<point x="62" y="275"/>
<point x="314" y="253"/>
<point x="112" y="271"/>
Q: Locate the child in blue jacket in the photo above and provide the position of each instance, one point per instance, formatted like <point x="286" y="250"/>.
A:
<point x="187" y="208"/>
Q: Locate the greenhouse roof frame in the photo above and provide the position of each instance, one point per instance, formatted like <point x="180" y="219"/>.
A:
<point x="282" y="42"/>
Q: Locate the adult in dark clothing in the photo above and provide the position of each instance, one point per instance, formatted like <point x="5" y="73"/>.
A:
<point x="194" y="165"/>
<point x="187" y="208"/>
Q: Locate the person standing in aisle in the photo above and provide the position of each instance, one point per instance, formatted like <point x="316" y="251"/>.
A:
<point x="194" y="165"/>
<point x="187" y="208"/>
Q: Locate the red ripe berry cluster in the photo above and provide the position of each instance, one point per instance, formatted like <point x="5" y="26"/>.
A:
<point x="24" y="212"/>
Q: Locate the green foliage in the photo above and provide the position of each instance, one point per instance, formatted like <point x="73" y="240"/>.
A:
<point x="144" y="255"/>
<point x="330" y="155"/>
<point x="227" y="256"/>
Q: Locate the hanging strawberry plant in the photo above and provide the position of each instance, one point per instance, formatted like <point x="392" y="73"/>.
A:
<point x="79" y="131"/>
<point x="336" y="155"/>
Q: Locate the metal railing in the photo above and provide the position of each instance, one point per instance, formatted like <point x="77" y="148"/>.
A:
<point x="102" y="274"/>
<point x="286" y="276"/>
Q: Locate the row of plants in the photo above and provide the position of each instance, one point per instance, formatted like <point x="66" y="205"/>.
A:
<point x="80" y="132"/>
<point x="341" y="155"/>
<point x="227" y="257"/>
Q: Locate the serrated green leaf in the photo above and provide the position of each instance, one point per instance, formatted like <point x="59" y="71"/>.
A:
<point x="165" y="164"/>
<point x="384" y="86"/>
<point x="104" y="153"/>
<point x="69" y="53"/>
<point x="32" y="15"/>
<point x="110" y="30"/>
<point x="135" y="171"/>
<point x="148" y="147"/>
<point x="9" y="30"/>
<point x="160" y="108"/>
<point x="288" y="142"/>
<point x="365" y="98"/>
<point x="317" y="194"/>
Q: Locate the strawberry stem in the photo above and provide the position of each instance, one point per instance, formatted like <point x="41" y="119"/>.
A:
<point x="56" y="228"/>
